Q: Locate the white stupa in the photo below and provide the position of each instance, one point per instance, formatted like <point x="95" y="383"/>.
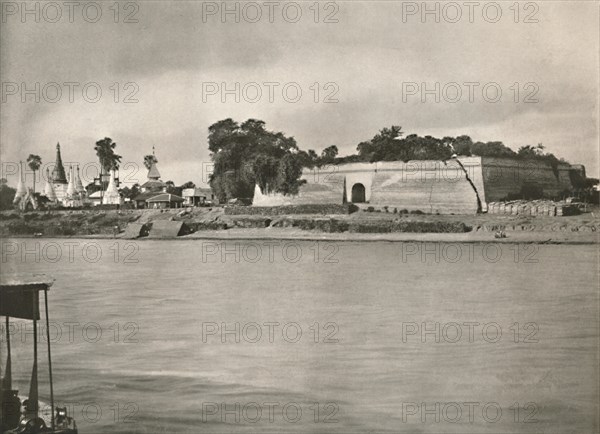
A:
<point x="49" y="189"/>
<point x="78" y="184"/>
<point x="71" y="186"/>
<point x="21" y="190"/>
<point x="71" y="198"/>
<point x="111" y="195"/>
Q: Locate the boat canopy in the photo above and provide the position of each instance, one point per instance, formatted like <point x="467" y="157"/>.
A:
<point x="19" y="296"/>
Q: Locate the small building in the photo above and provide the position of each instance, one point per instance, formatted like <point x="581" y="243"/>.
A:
<point x="95" y="198"/>
<point x="140" y="200"/>
<point x="151" y="188"/>
<point x="197" y="196"/>
<point x="164" y="200"/>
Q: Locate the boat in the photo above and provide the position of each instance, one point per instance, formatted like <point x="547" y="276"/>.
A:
<point x="20" y="298"/>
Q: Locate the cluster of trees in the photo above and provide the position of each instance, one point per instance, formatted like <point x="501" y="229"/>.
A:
<point x="389" y="145"/>
<point x="7" y="195"/>
<point x="108" y="159"/>
<point x="247" y="154"/>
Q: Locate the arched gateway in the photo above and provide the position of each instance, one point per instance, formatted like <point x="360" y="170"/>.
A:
<point x="358" y="193"/>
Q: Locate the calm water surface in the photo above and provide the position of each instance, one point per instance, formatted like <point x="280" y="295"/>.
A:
<point x="328" y="337"/>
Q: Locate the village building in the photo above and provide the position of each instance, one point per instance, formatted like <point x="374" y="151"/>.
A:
<point x="165" y="200"/>
<point x="198" y="196"/>
<point x="95" y="198"/>
<point x="152" y="187"/>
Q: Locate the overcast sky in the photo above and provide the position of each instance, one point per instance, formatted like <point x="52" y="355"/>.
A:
<point x="371" y="54"/>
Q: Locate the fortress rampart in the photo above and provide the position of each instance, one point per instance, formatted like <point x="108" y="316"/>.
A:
<point x="458" y="186"/>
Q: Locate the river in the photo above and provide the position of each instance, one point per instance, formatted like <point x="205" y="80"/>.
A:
<point x="273" y="336"/>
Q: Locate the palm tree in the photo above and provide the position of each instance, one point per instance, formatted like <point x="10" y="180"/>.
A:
<point x="109" y="160"/>
<point x="34" y="162"/>
<point x="149" y="160"/>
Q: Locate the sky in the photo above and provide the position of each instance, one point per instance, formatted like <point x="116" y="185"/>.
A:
<point x="333" y="73"/>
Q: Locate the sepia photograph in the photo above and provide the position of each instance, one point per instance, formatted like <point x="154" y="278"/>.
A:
<point x="299" y="217"/>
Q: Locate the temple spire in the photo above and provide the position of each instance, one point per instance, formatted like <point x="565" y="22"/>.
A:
<point x="78" y="184"/>
<point x="153" y="173"/>
<point x="58" y="173"/>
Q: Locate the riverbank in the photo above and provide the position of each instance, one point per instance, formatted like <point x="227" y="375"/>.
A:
<point x="214" y="224"/>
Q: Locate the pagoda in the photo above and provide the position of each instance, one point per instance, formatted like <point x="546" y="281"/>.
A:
<point x="49" y="189"/>
<point x="59" y="178"/>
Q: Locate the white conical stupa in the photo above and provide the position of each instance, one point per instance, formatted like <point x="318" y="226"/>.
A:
<point x="71" y="187"/>
<point x="111" y="195"/>
<point x="78" y="184"/>
<point x="48" y="189"/>
<point x="21" y="190"/>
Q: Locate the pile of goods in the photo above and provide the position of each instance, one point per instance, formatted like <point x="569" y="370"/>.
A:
<point x="533" y="208"/>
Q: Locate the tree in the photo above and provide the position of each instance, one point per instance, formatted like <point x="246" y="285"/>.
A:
<point x="462" y="144"/>
<point x="188" y="184"/>
<point x="289" y="171"/>
<point x="109" y="160"/>
<point x="328" y="155"/>
<point x="172" y="189"/>
<point x="149" y="160"/>
<point x="248" y="154"/>
<point x="529" y="151"/>
<point x="308" y="159"/>
<point x="492" y="149"/>
<point x="34" y="162"/>
<point x="130" y="193"/>
<point x="384" y="146"/>
<point x="7" y="195"/>
<point x="105" y="150"/>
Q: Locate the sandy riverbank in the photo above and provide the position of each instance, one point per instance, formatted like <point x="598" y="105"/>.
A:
<point x="213" y="224"/>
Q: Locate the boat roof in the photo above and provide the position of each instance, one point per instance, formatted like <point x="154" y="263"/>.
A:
<point x="25" y="281"/>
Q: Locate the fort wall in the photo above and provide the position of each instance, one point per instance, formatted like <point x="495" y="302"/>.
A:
<point x="506" y="177"/>
<point x="458" y="186"/>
